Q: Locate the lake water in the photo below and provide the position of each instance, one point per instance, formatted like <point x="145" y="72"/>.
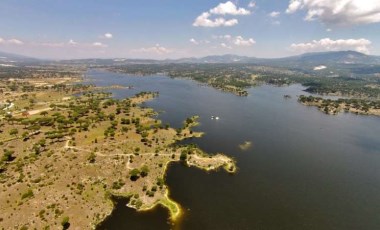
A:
<point x="305" y="169"/>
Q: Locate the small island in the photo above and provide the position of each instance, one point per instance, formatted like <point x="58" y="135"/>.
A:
<point x="64" y="157"/>
<point x="246" y="145"/>
<point x="333" y="107"/>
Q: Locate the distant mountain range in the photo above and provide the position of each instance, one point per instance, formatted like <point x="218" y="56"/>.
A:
<point x="320" y="58"/>
<point x="8" y="59"/>
<point x="307" y="60"/>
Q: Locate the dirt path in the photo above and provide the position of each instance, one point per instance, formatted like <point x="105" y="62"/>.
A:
<point x="37" y="111"/>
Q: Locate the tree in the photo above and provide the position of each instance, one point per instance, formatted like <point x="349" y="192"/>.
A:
<point x="80" y="122"/>
<point x="25" y="122"/>
<point x="189" y="121"/>
<point x="27" y="194"/>
<point x="179" y="131"/>
<point x="144" y="171"/>
<point x="9" y="118"/>
<point x="65" y="222"/>
<point x="92" y="118"/>
<point x="125" y="121"/>
<point x="8" y="155"/>
<point x="160" y="182"/>
<point x="39" y="146"/>
<point x="92" y="157"/>
<point x="114" y="124"/>
<point x="183" y="156"/>
<point x="42" y="142"/>
<point x="13" y="132"/>
<point x="144" y="134"/>
<point x="25" y="135"/>
<point x="35" y="128"/>
<point x="134" y="174"/>
<point x="111" y="116"/>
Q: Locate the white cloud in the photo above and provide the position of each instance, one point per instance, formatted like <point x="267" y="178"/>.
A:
<point x="12" y="41"/>
<point x="195" y="42"/>
<point x="240" y="41"/>
<point x="227" y="37"/>
<point x="229" y="41"/>
<point x="224" y="45"/>
<point x="72" y="42"/>
<point x="229" y="8"/>
<point x="108" y="35"/>
<point x="327" y="44"/>
<point x="274" y="14"/>
<point x="157" y="49"/>
<point x="294" y="5"/>
<point x="338" y="12"/>
<point x="199" y="42"/>
<point x="231" y="22"/>
<point x="204" y="21"/>
<point x="15" y="42"/>
<point x="99" y="44"/>
<point x="252" y="4"/>
<point x="321" y="67"/>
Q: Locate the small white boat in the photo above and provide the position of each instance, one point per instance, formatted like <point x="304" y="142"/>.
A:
<point x="217" y="118"/>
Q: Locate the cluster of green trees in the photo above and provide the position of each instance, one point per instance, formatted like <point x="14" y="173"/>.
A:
<point x="41" y="71"/>
<point x="221" y="76"/>
<point x="7" y="156"/>
<point x="145" y="93"/>
<point x="135" y="174"/>
<point x="332" y="105"/>
<point x="358" y="87"/>
<point x="84" y="113"/>
<point x="237" y="77"/>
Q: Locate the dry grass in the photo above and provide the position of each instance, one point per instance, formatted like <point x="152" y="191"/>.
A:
<point x="74" y="176"/>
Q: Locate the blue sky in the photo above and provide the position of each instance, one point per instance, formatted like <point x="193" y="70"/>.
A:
<point x="159" y="29"/>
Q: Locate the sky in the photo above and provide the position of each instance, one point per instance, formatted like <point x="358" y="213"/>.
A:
<point x="161" y="29"/>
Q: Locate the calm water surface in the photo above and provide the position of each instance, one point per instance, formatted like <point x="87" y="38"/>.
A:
<point x="305" y="170"/>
